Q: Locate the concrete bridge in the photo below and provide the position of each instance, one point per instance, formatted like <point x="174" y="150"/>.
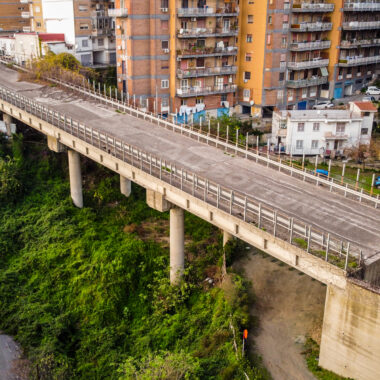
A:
<point x="330" y="237"/>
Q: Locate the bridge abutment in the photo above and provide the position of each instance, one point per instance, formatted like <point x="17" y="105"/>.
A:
<point x="125" y="186"/>
<point x="350" y="335"/>
<point x="177" y="244"/>
<point x="75" y="178"/>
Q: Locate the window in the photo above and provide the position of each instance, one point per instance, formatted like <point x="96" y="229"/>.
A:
<point x="84" y="43"/>
<point x="269" y="20"/>
<point x="201" y="43"/>
<point x="314" y="144"/>
<point x="200" y="62"/>
<point x="164" y="102"/>
<point x="269" y="38"/>
<point x="280" y="94"/>
<point x="38" y="24"/>
<point x="367" y="113"/>
<point x="250" y="19"/>
<point x="246" y="93"/>
<point x="247" y="75"/>
<point x="315" y="127"/>
<point x="284" y="42"/>
<point x="301" y="127"/>
<point x="165" y="83"/>
<point x="299" y="144"/>
<point x="304" y="92"/>
<point x="249" y="38"/>
<point x="281" y="77"/>
<point x="164" y="3"/>
<point x="340" y="127"/>
<point x="364" y="131"/>
<point x="83" y="26"/>
<point x="82" y="8"/>
<point x="164" y="24"/>
<point x="164" y="66"/>
<point x="37" y="9"/>
<point x="223" y="98"/>
<point x="199" y="101"/>
<point x="183" y="102"/>
<point x="100" y="42"/>
<point x="165" y="45"/>
<point x="248" y="57"/>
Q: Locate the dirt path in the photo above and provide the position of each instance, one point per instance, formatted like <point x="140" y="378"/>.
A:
<point x="289" y="307"/>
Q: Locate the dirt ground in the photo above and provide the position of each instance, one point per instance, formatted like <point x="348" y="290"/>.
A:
<point x="289" y="306"/>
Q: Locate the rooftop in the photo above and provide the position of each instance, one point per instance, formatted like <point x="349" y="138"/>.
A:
<point x="366" y="106"/>
<point x="330" y="114"/>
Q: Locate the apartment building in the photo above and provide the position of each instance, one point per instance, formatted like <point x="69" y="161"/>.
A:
<point x="20" y="15"/>
<point x="87" y="26"/>
<point x="359" y="48"/>
<point x="323" y="132"/>
<point x="178" y="56"/>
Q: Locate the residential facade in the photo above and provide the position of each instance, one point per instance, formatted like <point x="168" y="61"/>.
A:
<point x="323" y="132"/>
<point x="179" y="56"/>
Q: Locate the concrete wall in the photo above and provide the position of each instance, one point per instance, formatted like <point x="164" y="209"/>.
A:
<point x="351" y="333"/>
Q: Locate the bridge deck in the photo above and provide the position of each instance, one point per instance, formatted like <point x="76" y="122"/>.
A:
<point x="333" y="213"/>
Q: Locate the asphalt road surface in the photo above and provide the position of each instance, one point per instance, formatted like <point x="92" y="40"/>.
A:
<point x="9" y="351"/>
<point x="350" y="220"/>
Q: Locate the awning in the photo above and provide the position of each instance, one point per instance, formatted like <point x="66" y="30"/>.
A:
<point x="324" y="72"/>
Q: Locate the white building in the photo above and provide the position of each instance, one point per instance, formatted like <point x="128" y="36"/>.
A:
<point x="7" y="46"/>
<point x="323" y="132"/>
<point x="26" y="47"/>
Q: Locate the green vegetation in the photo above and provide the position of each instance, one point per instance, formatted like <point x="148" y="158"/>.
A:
<point x="86" y="292"/>
<point x="312" y="356"/>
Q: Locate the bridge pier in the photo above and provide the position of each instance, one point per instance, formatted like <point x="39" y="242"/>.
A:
<point x="226" y="237"/>
<point x="8" y="121"/>
<point x="55" y="145"/>
<point x="125" y="186"/>
<point x="351" y="330"/>
<point x="177" y="244"/>
<point x="75" y="178"/>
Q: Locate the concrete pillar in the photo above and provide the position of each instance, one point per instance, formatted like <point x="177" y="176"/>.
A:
<point x="55" y="145"/>
<point x="226" y="237"/>
<point x="8" y="120"/>
<point x="75" y="178"/>
<point x="351" y="330"/>
<point x="125" y="186"/>
<point x="177" y="244"/>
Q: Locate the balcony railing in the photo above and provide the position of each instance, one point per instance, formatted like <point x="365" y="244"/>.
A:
<point x="361" y="7"/>
<point x="220" y="70"/>
<point x="359" y="43"/>
<point x="208" y="90"/>
<point x="208" y="12"/>
<point x="299" y="83"/>
<point x="336" y="136"/>
<point x="311" y="26"/>
<point x="206" y="32"/>
<point x="206" y="52"/>
<point x="120" y="12"/>
<point x="308" y="7"/>
<point x="308" y="64"/>
<point x="25" y="1"/>
<point x="25" y="15"/>
<point x="356" y="61"/>
<point x="358" y="25"/>
<point x="314" y="45"/>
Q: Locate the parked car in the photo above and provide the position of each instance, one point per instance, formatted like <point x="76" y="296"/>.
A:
<point x="323" y="105"/>
<point x="373" y="90"/>
<point x="377" y="182"/>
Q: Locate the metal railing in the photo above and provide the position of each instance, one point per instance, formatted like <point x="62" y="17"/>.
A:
<point x="314" y="45"/>
<point x="127" y="104"/>
<point x="358" y="25"/>
<point x="348" y="61"/>
<point x="312" y="240"/>
<point x="360" y="6"/>
<point x="206" y="51"/>
<point x="219" y="70"/>
<point x="311" y="26"/>
<point x="308" y="64"/>
<point x="118" y="12"/>
<point x="306" y="82"/>
<point x="207" y="90"/>
<point x="357" y="43"/>
<point x="311" y="7"/>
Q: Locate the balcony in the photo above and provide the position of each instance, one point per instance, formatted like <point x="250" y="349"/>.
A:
<point x="300" y="83"/>
<point x="308" y="64"/>
<point x="187" y="92"/>
<point x="203" y="32"/>
<point x="26" y="15"/>
<point x="314" y="45"/>
<point x="361" y="7"/>
<point x="360" y="25"/>
<point x="26" y="29"/>
<point x="336" y="136"/>
<point x="25" y="1"/>
<point x="220" y="70"/>
<point x="121" y="12"/>
<point x="359" y="43"/>
<point x="311" y="26"/>
<point x="208" y="12"/>
<point x="206" y="52"/>
<point x="357" y="61"/>
<point x="308" y="7"/>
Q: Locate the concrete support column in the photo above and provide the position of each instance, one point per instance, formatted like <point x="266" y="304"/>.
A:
<point x="7" y="120"/>
<point x="75" y="178"/>
<point x="125" y="186"/>
<point x="177" y="244"/>
<point x="226" y="237"/>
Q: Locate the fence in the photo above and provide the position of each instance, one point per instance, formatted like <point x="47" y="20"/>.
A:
<point x="314" y="241"/>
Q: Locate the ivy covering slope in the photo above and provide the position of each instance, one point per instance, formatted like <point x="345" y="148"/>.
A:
<point x="88" y="298"/>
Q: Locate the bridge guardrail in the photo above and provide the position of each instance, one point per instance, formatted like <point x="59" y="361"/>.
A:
<point x="274" y="162"/>
<point x="319" y="243"/>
